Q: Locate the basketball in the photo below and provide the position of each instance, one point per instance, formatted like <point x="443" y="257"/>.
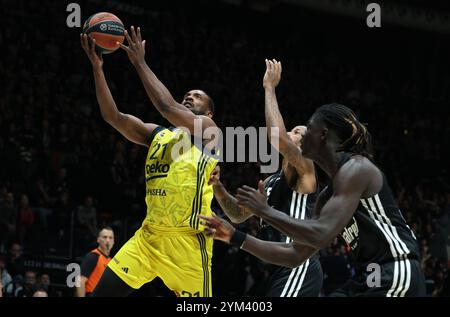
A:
<point x="106" y="29"/>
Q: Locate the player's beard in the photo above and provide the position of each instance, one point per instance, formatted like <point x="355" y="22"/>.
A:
<point x="198" y="113"/>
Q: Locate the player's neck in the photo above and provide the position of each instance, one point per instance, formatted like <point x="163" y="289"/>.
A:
<point x="328" y="161"/>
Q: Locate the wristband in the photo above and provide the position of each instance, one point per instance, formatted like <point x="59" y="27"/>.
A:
<point x="238" y="238"/>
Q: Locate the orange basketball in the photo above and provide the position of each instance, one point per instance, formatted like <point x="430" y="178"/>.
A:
<point x="106" y="29"/>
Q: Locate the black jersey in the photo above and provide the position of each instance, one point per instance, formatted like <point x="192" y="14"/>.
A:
<point x="292" y="203"/>
<point x="306" y="279"/>
<point x="377" y="232"/>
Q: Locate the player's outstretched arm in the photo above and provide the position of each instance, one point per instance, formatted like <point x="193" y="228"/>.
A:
<point x="285" y="146"/>
<point x="175" y="113"/>
<point x="349" y="184"/>
<point x="278" y="253"/>
<point x="129" y="126"/>
<point x="226" y="201"/>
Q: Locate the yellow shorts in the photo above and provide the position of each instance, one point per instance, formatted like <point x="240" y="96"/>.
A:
<point x="181" y="260"/>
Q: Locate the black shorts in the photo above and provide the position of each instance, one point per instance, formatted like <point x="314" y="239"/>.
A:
<point x="303" y="281"/>
<point x="403" y="278"/>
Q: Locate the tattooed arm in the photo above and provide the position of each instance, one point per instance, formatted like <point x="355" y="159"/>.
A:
<point x="226" y="201"/>
<point x="229" y="204"/>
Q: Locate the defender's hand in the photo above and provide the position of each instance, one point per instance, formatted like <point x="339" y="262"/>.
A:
<point x="136" y="46"/>
<point x="253" y="200"/>
<point x="214" y="179"/>
<point x="88" y="46"/>
<point x="217" y="228"/>
<point x="272" y="76"/>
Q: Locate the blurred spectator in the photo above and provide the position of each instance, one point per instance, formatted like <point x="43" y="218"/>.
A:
<point x="42" y="201"/>
<point x="18" y="282"/>
<point x="60" y="185"/>
<point x="5" y="278"/>
<point x="87" y="215"/>
<point x="40" y="292"/>
<point x="45" y="285"/>
<point x="29" y="285"/>
<point x="26" y="217"/>
<point x="86" y="223"/>
<point x="8" y="216"/>
<point x="61" y="224"/>
<point x="15" y="261"/>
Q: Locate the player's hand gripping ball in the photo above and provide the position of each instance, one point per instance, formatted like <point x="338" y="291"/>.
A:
<point x="106" y="29"/>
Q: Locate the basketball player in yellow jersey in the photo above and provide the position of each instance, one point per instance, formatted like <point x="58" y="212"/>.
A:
<point x="170" y="243"/>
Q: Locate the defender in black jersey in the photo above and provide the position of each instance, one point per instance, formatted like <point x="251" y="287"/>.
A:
<point x="306" y="279"/>
<point x="357" y="205"/>
<point x="293" y="190"/>
<point x="378" y="234"/>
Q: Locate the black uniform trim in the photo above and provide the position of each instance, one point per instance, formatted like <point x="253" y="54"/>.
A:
<point x="154" y="132"/>
<point x="205" y="264"/>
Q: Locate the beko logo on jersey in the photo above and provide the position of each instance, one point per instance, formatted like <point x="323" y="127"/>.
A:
<point x="156" y="191"/>
<point x="351" y="233"/>
<point x="157" y="168"/>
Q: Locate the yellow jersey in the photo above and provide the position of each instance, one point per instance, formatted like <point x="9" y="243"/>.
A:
<point x="177" y="190"/>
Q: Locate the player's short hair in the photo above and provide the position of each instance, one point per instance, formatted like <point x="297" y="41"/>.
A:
<point x="343" y="121"/>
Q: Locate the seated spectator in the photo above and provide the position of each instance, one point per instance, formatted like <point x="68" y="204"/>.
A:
<point x="26" y="217"/>
<point x="15" y="261"/>
<point x="86" y="223"/>
<point x="87" y="216"/>
<point x="42" y="201"/>
<point x="8" y="217"/>
<point x="40" y="292"/>
<point x="5" y="278"/>
<point x="45" y="284"/>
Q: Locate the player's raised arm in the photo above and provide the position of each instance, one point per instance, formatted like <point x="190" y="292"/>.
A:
<point x="286" y="146"/>
<point x="129" y="126"/>
<point x="278" y="253"/>
<point x="176" y="113"/>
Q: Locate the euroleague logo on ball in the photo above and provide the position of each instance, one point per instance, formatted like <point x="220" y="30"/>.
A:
<point x="103" y="27"/>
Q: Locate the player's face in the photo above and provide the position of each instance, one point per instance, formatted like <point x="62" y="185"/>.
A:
<point x="296" y="134"/>
<point x="310" y="139"/>
<point x="197" y="101"/>
<point x="106" y="239"/>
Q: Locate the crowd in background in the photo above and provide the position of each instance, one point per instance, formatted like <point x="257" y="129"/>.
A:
<point x="64" y="172"/>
